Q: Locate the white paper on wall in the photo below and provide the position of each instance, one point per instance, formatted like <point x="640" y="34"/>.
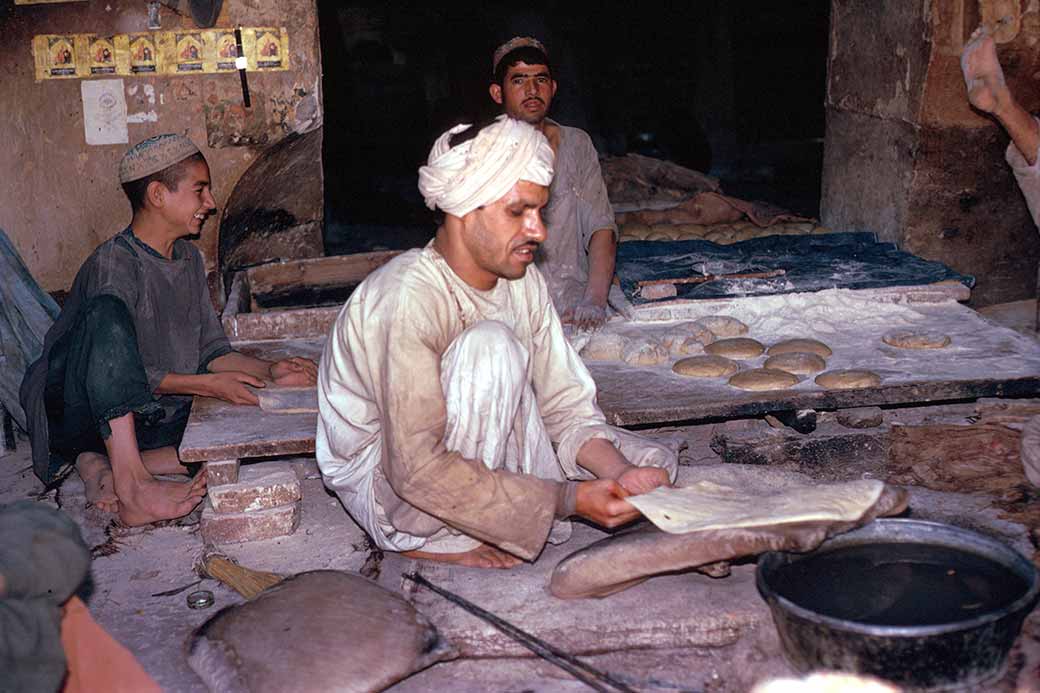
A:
<point x="104" y="111"/>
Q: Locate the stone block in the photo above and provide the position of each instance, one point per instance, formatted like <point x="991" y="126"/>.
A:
<point x="260" y="486"/>
<point x="219" y="472"/>
<point x="235" y="528"/>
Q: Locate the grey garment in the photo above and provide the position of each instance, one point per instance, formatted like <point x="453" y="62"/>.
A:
<point x="26" y="313"/>
<point x="177" y="328"/>
<point x="1028" y="178"/>
<point x="578" y="207"/>
<point x="43" y="561"/>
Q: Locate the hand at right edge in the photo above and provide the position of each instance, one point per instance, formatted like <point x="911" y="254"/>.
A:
<point x="230" y="386"/>
<point x="603" y="501"/>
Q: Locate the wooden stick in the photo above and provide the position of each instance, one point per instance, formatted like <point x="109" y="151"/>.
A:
<point x="245" y="581"/>
<point x="586" y="673"/>
<point x="712" y="277"/>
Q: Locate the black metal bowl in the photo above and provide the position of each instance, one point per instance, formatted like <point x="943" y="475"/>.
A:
<point x="936" y="656"/>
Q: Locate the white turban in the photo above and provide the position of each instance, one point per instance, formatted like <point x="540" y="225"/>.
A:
<point x="483" y="169"/>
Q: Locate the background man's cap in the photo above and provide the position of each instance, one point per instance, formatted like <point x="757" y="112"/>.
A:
<point x="511" y="45"/>
<point x="153" y="155"/>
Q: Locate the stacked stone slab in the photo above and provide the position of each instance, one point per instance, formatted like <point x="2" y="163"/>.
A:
<point x="258" y="501"/>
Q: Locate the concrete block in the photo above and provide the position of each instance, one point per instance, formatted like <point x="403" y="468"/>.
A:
<point x="260" y="486"/>
<point x="219" y="472"/>
<point x="235" y="528"/>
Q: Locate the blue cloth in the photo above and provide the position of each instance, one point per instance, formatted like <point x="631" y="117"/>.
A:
<point x="812" y="263"/>
<point x="26" y="313"/>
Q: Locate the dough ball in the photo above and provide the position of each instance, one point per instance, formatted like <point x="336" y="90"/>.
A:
<point x="797" y="362"/>
<point x="687" y="338"/>
<point x="635" y="229"/>
<point x="735" y="348"/>
<point x="916" y="339"/>
<point x="763" y="379"/>
<point x="723" y="325"/>
<point x="705" y="366"/>
<point x="658" y="236"/>
<point x="604" y="346"/>
<point x="848" y="379"/>
<point x="810" y="346"/>
<point x="644" y="352"/>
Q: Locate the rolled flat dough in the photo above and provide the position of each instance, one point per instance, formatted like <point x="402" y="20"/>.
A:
<point x="706" y="366"/>
<point x="735" y="348"/>
<point x="797" y="362"/>
<point x="810" y="346"/>
<point x="763" y="379"/>
<point x="602" y="346"/>
<point x="848" y="379"/>
<point x="288" y="400"/>
<point x="723" y="325"/>
<point x="706" y="505"/>
<point x="913" y="339"/>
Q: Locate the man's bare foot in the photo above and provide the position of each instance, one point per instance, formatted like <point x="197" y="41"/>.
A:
<point x="97" y="478"/>
<point x="147" y="501"/>
<point x="484" y="556"/>
<point x="983" y="76"/>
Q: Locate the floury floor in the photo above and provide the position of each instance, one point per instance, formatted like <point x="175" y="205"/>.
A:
<point x="682" y="632"/>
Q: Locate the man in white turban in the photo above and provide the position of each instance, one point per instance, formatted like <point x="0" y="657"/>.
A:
<point x="447" y="381"/>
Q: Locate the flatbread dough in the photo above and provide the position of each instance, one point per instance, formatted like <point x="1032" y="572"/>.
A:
<point x="723" y="325"/>
<point x="687" y="338"/>
<point x="644" y="352"/>
<point x="288" y="400"/>
<point x="763" y="379"/>
<point x="913" y="339"/>
<point x="810" y="346"/>
<point x="604" y="346"/>
<point x="706" y="506"/>
<point x="797" y="362"/>
<point x="706" y="366"/>
<point x="735" y="348"/>
<point x="848" y="379"/>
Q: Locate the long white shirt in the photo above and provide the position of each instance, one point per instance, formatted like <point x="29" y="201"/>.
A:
<point x="380" y="437"/>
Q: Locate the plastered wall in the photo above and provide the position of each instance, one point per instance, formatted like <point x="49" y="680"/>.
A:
<point x="906" y="157"/>
<point x="59" y="196"/>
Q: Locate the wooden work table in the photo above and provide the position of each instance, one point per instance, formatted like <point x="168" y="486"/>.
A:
<point x="984" y="360"/>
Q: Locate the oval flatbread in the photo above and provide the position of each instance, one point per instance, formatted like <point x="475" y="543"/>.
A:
<point x="705" y="366"/>
<point x="811" y="346"/>
<point x="797" y="362"/>
<point x="763" y="379"/>
<point x="914" y="339"/>
<point x="604" y="346"/>
<point x="735" y="348"/>
<point x="724" y="326"/>
<point x="645" y="352"/>
<point x="848" y="379"/>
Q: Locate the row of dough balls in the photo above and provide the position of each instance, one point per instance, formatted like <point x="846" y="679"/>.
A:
<point x="655" y="347"/>
<point x="723" y="234"/>
<point x="787" y="361"/>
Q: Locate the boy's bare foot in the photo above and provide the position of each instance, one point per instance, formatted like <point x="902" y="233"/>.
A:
<point x="484" y="556"/>
<point x="97" y="478"/>
<point x="147" y="501"/>
<point x="983" y="76"/>
<point x="163" y="461"/>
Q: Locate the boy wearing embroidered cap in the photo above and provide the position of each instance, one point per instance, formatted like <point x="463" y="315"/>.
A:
<point x="578" y="255"/>
<point x="137" y="337"/>
<point x="447" y="379"/>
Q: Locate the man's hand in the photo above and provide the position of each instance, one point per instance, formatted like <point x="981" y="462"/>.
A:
<point x="230" y="386"/>
<point x="637" y="480"/>
<point x="602" y="501"/>
<point x="587" y="315"/>
<point x="295" y="371"/>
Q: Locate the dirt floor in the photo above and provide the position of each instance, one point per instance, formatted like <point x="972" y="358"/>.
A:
<point x="685" y="632"/>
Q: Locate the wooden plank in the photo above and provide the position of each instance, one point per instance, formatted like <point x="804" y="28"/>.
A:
<point x="334" y="270"/>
